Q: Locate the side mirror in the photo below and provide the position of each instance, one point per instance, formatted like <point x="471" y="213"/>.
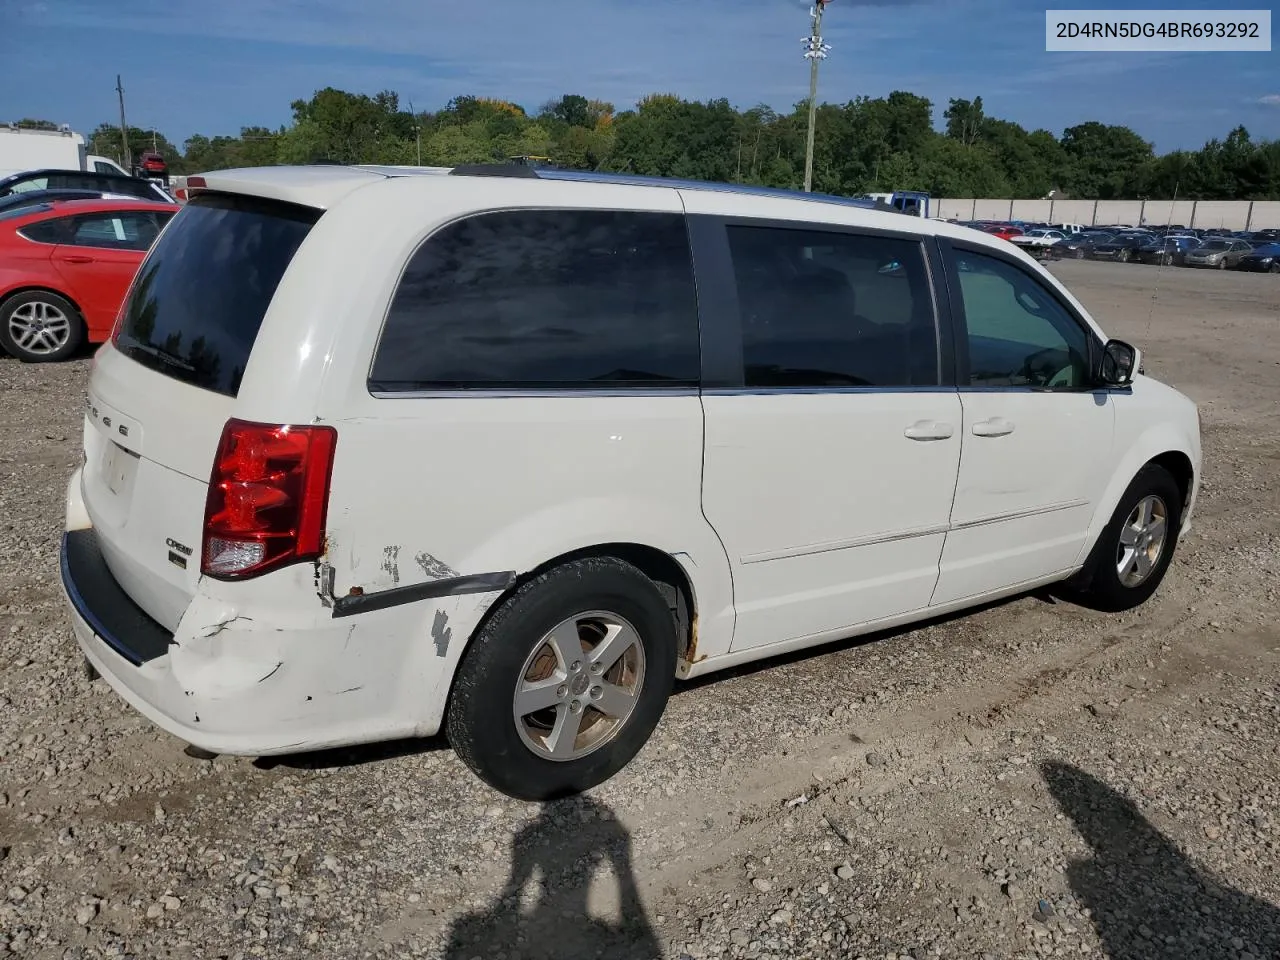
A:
<point x="1121" y="362"/>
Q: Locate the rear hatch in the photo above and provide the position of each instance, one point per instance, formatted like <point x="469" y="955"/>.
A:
<point x="161" y="393"/>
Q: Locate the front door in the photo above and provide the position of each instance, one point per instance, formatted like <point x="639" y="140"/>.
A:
<point x="1037" y="436"/>
<point x="830" y="464"/>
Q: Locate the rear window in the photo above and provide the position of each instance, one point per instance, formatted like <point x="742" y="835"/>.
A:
<point x="199" y="298"/>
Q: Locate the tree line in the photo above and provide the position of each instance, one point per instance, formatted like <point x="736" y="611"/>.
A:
<point x="864" y="145"/>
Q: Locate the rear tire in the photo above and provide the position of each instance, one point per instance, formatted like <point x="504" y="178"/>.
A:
<point x="524" y="656"/>
<point x="40" y="327"/>
<point x="1132" y="556"/>
<point x="1275" y="268"/>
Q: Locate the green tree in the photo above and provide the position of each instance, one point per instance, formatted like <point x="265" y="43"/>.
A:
<point x="1103" y="159"/>
<point x="964" y="119"/>
<point x="862" y="145"/>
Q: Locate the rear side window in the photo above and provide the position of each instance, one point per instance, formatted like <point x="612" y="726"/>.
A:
<point x="46" y="231"/>
<point x="831" y="309"/>
<point x="544" y="299"/>
<point x="118" y="231"/>
<point x="200" y="296"/>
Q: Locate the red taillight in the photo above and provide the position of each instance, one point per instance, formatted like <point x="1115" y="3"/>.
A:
<point x="267" y="498"/>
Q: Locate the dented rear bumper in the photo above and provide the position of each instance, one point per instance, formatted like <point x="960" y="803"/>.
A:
<point x="248" y="681"/>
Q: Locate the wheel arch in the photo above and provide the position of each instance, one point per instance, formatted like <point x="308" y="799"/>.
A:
<point x="1161" y="447"/>
<point x="667" y="572"/>
<point x="1180" y="468"/>
<point x="41" y="288"/>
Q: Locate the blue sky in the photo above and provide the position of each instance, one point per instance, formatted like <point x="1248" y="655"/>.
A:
<point x="215" y="65"/>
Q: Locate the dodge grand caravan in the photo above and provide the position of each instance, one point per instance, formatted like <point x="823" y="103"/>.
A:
<point x="376" y="452"/>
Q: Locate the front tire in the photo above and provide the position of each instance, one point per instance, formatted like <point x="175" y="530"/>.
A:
<point x="1137" y="545"/>
<point x="566" y="681"/>
<point x="40" y="327"/>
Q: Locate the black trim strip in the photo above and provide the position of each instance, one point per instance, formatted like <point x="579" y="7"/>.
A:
<point x="102" y="603"/>
<point x="444" y="587"/>
<point x="719" y="321"/>
<point x="947" y="322"/>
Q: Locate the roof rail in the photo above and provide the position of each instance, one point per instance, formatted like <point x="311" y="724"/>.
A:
<point x="622" y="179"/>
<point x="494" y="170"/>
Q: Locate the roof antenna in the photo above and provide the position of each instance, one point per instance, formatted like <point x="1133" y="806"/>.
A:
<point x="1155" y="289"/>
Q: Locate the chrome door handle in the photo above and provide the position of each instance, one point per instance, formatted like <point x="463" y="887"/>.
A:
<point x="995" y="427"/>
<point x="929" y="430"/>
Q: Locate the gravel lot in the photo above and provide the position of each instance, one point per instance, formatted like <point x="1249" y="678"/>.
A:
<point x="1029" y="780"/>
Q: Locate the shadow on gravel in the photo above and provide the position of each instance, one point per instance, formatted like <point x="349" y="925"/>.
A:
<point x="354" y="756"/>
<point x="561" y="852"/>
<point x="1147" y="898"/>
<point x="1044" y="595"/>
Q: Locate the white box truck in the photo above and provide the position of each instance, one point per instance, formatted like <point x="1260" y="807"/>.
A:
<point x="24" y="149"/>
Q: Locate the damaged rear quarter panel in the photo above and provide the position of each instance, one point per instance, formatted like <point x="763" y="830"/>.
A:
<point x="426" y="489"/>
<point x="386" y="673"/>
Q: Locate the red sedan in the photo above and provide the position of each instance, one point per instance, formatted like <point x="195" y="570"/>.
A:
<point x="65" y="268"/>
<point x="1005" y="231"/>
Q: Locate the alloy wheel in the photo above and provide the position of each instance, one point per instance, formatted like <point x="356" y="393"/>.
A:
<point x="579" y="685"/>
<point x="39" y="328"/>
<point x="1142" y="540"/>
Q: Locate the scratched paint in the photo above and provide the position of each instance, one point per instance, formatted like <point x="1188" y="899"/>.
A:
<point x="391" y="563"/>
<point x="433" y="568"/>
<point x="216" y="628"/>
<point x="441" y="633"/>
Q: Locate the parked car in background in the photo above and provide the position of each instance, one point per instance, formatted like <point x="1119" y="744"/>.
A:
<point x="1081" y="245"/>
<point x="1122" y="247"/>
<point x="1166" y="250"/>
<point x="82" y="180"/>
<point x="1038" y="241"/>
<point x="65" y="268"/>
<point x="1005" y="231"/>
<point x="1221" y="253"/>
<point x="1264" y="258"/>
<point x="33" y="198"/>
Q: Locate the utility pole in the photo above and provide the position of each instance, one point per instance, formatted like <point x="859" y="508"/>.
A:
<point x="417" y="130"/>
<point x="126" y="160"/>
<point x="814" y="51"/>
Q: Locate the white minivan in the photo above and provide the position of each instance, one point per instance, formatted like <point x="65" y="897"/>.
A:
<point x="505" y="451"/>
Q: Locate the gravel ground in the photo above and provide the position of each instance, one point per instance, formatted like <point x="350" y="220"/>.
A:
<point x="1030" y="780"/>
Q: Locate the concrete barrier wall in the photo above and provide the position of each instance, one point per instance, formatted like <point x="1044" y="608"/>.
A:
<point x="1228" y="214"/>
<point x="1170" y="211"/>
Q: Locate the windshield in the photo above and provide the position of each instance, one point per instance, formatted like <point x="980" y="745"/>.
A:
<point x="200" y="296"/>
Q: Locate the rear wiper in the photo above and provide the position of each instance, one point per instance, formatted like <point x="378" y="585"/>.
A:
<point x="164" y="356"/>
